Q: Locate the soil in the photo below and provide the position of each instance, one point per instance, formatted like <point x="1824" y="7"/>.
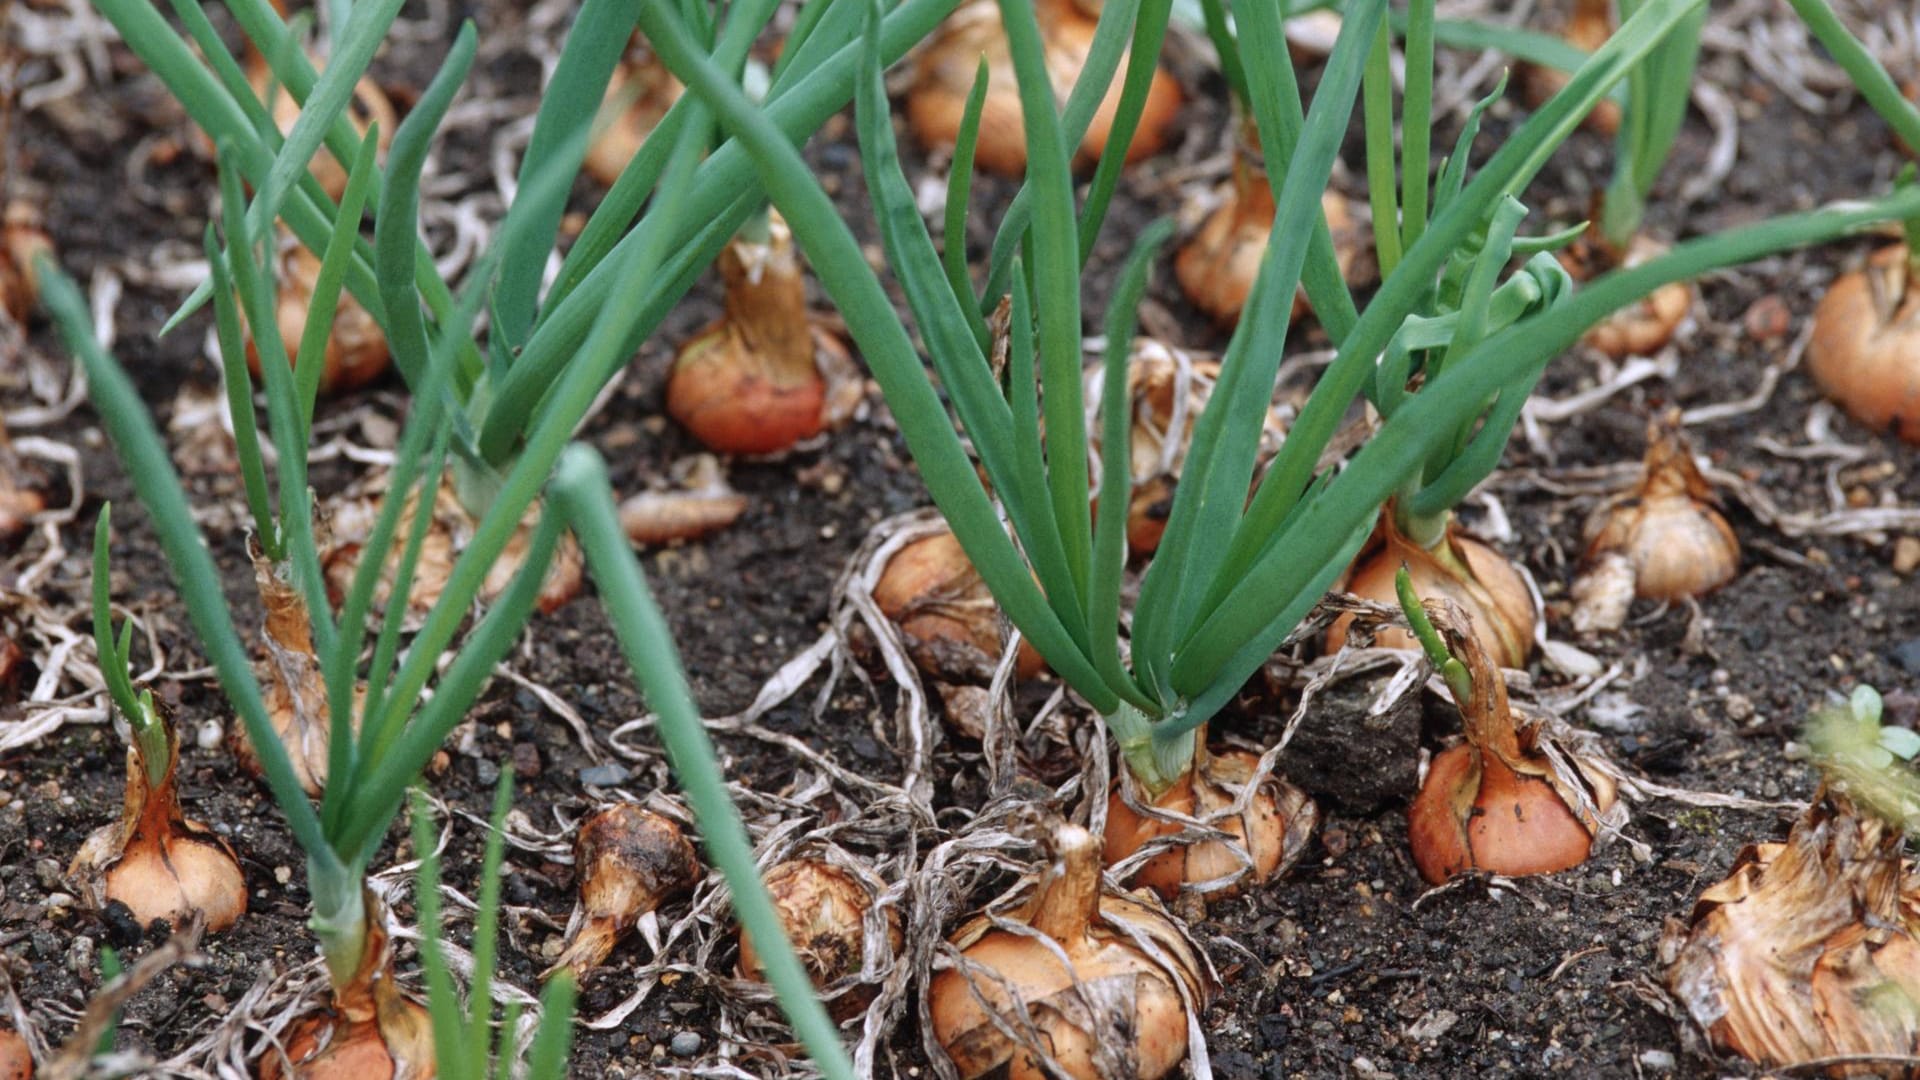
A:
<point x="1342" y="967"/>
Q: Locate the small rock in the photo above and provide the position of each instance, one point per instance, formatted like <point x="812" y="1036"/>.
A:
<point x="1906" y="555"/>
<point x="47" y="873"/>
<point x="1432" y="1025"/>
<point x="209" y="735"/>
<point x="1321" y="758"/>
<point x="58" y="904"/>
<point x="485" y="771"/>
<point x="1907" y="655"/>
<point x="685" y="1044"/>
<point x="283" y="874"/>
<point x="526" y="760"/>
<point x="1739" y="708"/>
<point x="1365" y="1069"/>
<point x="606" y="775"/>
<point x="80" y="956"/>
<point x="1657" y="1060"/>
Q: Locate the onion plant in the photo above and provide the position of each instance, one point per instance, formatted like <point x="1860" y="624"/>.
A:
<point x="1231" y="578"/>
<point x="397" y="725"/>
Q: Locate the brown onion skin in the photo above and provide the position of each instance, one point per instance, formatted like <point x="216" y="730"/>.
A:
<point x="1273" y="830"/>
<point x="1646" y="325"/>
<point x="1865" y="349"/>
<point x="356" y="352"/>
<point x="1677" y="543"/>
<point x="629" y="860"/>
<point x="1071" y="907"/>
<point x="1496" y="598"/>
<point x="821" y="908"/>
<point x="16" y="1061"/>
<point x="946" y="70"/>
<point x="648" y="91"/>
<point x="1515" y="824"/>
<point x="932" y="592"/>
<point x="21" y="240"/>
<point x="752" y="382"/>
<point x="370" y="1030"/>
<point x="1589" y="27"/>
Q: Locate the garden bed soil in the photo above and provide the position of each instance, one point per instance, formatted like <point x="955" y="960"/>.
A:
<point x="1342" y="967"/>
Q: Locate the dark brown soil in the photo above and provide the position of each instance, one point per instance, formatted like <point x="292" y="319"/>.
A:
<point x="1332" y="971"/>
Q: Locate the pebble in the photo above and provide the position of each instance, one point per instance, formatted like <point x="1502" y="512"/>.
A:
<point x="526" y="760"/>
<point x="606" y="775"/>
<point x="685" y="1044"/>
<point x="209" y="735"/>
<point x="486" y="772"/>
<point x="80" y="956"/>
<point x="1906" y="555"/>
<point x="1907" y="655"/>
<point x="1657" y="1059"/>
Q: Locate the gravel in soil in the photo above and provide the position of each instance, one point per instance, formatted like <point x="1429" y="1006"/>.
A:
<point x="1341" y="968"/>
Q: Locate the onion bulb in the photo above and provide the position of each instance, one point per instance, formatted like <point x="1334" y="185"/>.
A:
<point x="370" y="1030"/>
<point x="350" y="520"/>
<point x="637" y="98"/>
<point x="16" y="1060"/>
<point x="1647" y="324"/>
<point x="1808" y="950"/>
<point x="628" y="860"/>
<point x="1112" y="1009"/>
<point x="155" y="860"/>
<point x="1515" y="798"/>
<point x="356" y="351"/>
<point x="21" y="240"/>
<point x="1589" y="27"/>
<point x="369" y="106"/>
<point x="823" y="909"/>
<point x="765" y="375"/>
<point x="1488" y="589"/>
<point x="1661" y="541"/>
<point x="944" y="77"/>
<point x="1865" y="349"/>
<point x="1267" y="837"/>
<point x="1217" y="268"/>
<point x="949" y="620"/>
<point x="1166" y="388"/>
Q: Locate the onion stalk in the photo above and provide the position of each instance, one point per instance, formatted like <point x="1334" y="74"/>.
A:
<point x="765" y="375"/>
<point x="1514" y="798"/>
<point x="155" y="860"/>
<point x="974" y="38"/>
<point x="1663" y="540"/>
<point x="1071" y="980"/>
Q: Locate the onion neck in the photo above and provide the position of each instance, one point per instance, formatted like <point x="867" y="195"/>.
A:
<point x="766" y="303"/>
<point x="1068" y="898"/>
<point x="1156" y="762"/>
<point x="340" y="921"/>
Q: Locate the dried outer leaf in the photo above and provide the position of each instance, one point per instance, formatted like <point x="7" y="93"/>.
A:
<point x="827" y="909"/>
<point x="296" y="687"/>
<point x="1807" y="950"/>
<point x="351" y="517"/>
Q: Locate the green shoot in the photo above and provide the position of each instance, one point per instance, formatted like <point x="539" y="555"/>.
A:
<point x="1459" y="681"/>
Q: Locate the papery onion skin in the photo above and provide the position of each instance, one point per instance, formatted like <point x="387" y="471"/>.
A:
<point x="1865" y="348"/>
<point x="21" y="240"/>
<point x="1493" y="594"/>
<point x="629" y="860"/>
<point x="1807" y="951"/>
<point x="1279" y="819"/>
<point x="16" y="1061"/>
<point x="1148" y="1032"/>
<point x="822" y="908"/>
<point x="944" y="611"/>
<point x="945" y="73"/>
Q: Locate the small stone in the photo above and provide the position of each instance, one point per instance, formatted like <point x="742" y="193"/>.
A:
<point x="526" y="760"/>
<point x="47" y="873"/>
<point x="1657" y="1060"/>
<point x="1907" y="655"/>
<point x="283" y="874"/>
<point x="1739" y="708"/>
<point x="606" y="775"/>
<point x="1906" y="555"/>
<point x="209" y="736"/>
<point x="80" y="956"/>
<point x="685" y="1044"/>
<point x="1432" y="1025"/>
<point x="485" y="771"/>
